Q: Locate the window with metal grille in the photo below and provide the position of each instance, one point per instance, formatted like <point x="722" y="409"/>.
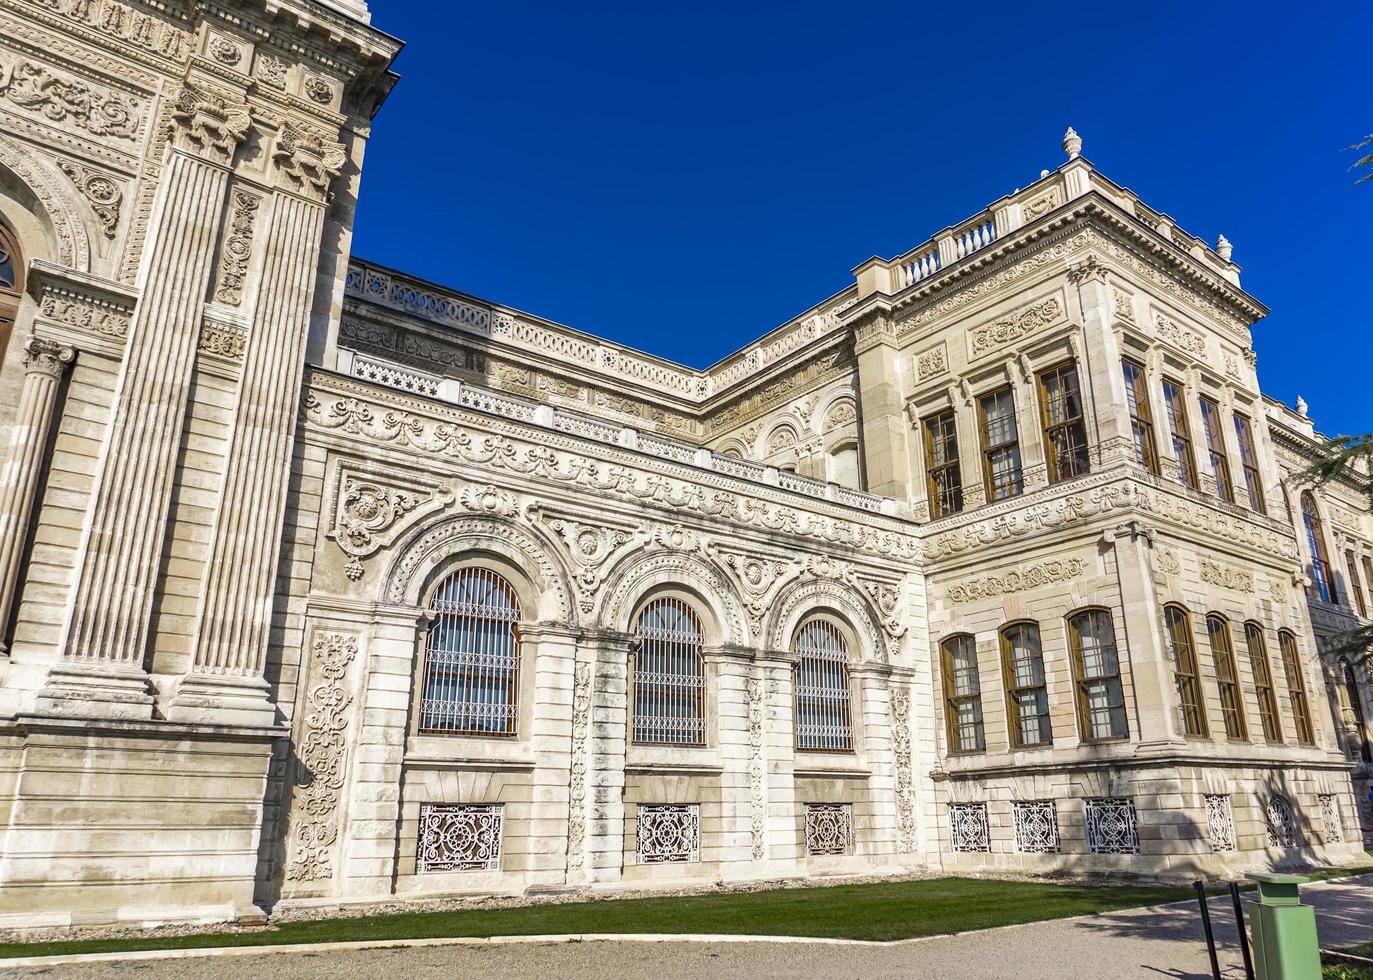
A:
<point x="962" y="694"/>
<point x="1220" y="823"/>
<point x="1036" y="827"/>
<point x="459" y="837"/>
<point x="941" y="464"/>
<point x="668" y="833"/>
<point x="1282" y="828"/>
<point x="1227" y="676"/>
<point x="1190" y="710"/>
<point x="1141" y="419"/>
<point x="822" y="689"/>
<point x="829" y="828"/>
<point x="968" y="831"/>
<point x="1027" y="696"/>
<point x="1296" y="686"/>
<point x="1100" y="696"/>
<point x="1063" y="418"/>
<point x="1249" y="462"/>
<point x="1355" y="589"/>
<point x="669" y="675"/>
<point x="1322" y="582"/>
<point x="1331" y="823"/>
<point x="1175" y="404"/>
<point x="471" y="656"/>
<point x="1215" y="449"/>
<point x="1111" y="826"/>
<point x="1263" y="682"/>
<point x="1000" y="445"/>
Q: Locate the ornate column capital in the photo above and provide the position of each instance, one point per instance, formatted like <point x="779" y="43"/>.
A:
<point x="47" y="357"/>
<point x="209" y="123"/>
<point x="307" y="159"/>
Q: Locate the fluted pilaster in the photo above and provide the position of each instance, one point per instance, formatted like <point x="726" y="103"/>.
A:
<point x="44" y="363"/>
<point x="102" y="668"/>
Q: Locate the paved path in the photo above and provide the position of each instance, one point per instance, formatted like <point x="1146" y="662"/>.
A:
<point x="1163" y="941"/>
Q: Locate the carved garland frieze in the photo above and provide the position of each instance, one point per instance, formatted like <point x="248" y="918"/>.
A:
<point x="117" y="20"/>
<point x="238" y="249"/>
<point x="1227" y="578"/>
<point x="321" y="758"/>
<point x="1008" y="329"/>
<point x="85" y="312"/>
<point x="102" y="193"/>
<point x="36" y="88"/>
<point x="1033" y="576"/>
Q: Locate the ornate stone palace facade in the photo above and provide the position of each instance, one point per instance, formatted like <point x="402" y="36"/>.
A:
<point x="321" y="584"/>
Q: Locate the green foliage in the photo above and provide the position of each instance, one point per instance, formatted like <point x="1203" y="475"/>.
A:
<point x="1364" y="162"/>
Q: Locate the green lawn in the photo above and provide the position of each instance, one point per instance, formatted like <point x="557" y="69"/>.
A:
<point x="1337" y="969"/>
<point x="891" y="910"/>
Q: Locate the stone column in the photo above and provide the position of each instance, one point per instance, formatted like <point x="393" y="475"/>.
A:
<point x="226" y="682"/>
<point x="1099" y="372"/>
<point x="886" y="445"/>
<point x="774" y="680"/>
<point x="44" y="363"/>
<point x="101" y="672"/>
<point x="608" y="652"/>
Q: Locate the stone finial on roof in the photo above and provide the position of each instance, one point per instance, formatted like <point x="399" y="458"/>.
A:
<point x="1223" y="247"/>
<point x="1072" y="143"/>
<point x="1301" y="407"/>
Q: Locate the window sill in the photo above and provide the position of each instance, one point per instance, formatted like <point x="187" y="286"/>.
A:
<point x="660" y="768"/>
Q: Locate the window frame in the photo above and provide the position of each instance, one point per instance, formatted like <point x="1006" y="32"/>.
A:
<point x="1249" y="463"/>
<point x="1215" y="448"/>
<point x="664" y="689"/>
<point x="1081" y="682"/>
<point x="1227" y="678"/>
<point x="1351" y="690"/>
<point x="1141" y="417"/>
<point x="1322" y="575"/>
<point x="1355" y="586"/>
<point x="838" y="632"/>
<point x="1048" y="427"/>
<point x="934" y="470"/>
<point x="1186" y="672"/>
<point x="1014" y="718"/>
<point x="1297" y="699"/>
<point x="1180" y="429"/>
<point x="990" y="451"/>
<point x="953" y="700"/>
<point x="1270" y="719"/>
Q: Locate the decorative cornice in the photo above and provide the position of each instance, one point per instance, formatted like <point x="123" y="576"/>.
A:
<point x="210" y="123"/>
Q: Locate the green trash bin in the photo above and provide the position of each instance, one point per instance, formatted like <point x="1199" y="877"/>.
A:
<point x="1285" y="945"/>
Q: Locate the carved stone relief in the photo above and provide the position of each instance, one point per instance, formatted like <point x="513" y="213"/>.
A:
<point x="1030" y="577"/>
<point x="1010" y="328"/>
<point x="60" y="98"/>
<point x="101" y="192"/>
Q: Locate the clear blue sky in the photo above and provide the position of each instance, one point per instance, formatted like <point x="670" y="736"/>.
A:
<point x="684" y="177"/>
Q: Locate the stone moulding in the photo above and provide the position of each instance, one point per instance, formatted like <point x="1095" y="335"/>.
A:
<point x="1015" y="325"/>
<point x="371" y="504"/>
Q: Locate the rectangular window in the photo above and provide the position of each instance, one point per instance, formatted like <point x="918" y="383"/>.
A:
<point x="1176" y="406"/>
<point x="459" y="837"/>
<point x="1263" y="682"/>
<point x="1220" y="822"/>
<point x="1227" y="677"/>
<point x="1215" y="448"/>
<point x="1368" y="573"/>
<point x="1065" y="427"/>
<point x="668" y="833"/>
<point x="1027" y="697"/>
<point x="1000" y="445"/>
<point x="1100" y="696"/>
<point x="1296" y="687"/>
<point x="1111" y="826"/>
<point x="1249" y="461"/>
<point x="1355" y="588"/>
<point x="1036" y="827"/>
<point x="941" y="464"/>
<point x="1185" y="678"/>
<point x="1141" y="420"/>
<point x="968" y="831"/>
<point x="963" y="695"/>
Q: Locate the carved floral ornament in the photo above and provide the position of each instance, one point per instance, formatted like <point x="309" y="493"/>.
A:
<point x="1030" y="577"/>
<point x="47" y="357"/>
<point x="102" y="192"/>
<point x="307" y="158"/>
<point x="1010" y="328"/>
<point x="210" y="123"/>
<point x="59" y="98"/>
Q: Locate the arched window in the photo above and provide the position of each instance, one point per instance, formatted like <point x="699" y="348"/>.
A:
<point x="11" y="286"/>
<point x="1263" y="682"/>
<point x="1227" y="676"/>
<point x="1355" y="717"/>
<point x="1190" y="709"/>
<point x="1027" y="696"/>
<point x="669" y="675"/>
<point x="1322" y="584"/>
<point x="1096" y="670"/>
<point x="472" y="656"/>
<point x="823" y="720"/>
<point x="1296" y="686"/>
<point x="962" y="695"/>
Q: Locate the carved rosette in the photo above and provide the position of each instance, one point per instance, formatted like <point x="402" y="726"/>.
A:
<point x="590" y="547"/>
<point x="209" y="124"/>
<point x="757" y="703"/>
<point x="905" y="786"/>
<point x="581" y="728"/>
<point x="320" y="760"/>
<point x="47" y="357"/>
<point x="307" y="159"/>
<point x="365" y="510"/>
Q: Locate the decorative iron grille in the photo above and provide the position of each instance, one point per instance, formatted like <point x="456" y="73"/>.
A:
<point x="822" y="689"/>
<point x="1036" y="827"/>
<point x="1220" y="823"/>
<point x="968" y="827"/>
<point x="472" y="656"/>
<point x="1111" y="826"/>
<point x="1330" y="818"/>
<point x="1282" y="828"/>
<point x="460" y="837"/>
<point x="669" y="677"/>
<point x="669" y="833"/>
<point x="829" y="828"/>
